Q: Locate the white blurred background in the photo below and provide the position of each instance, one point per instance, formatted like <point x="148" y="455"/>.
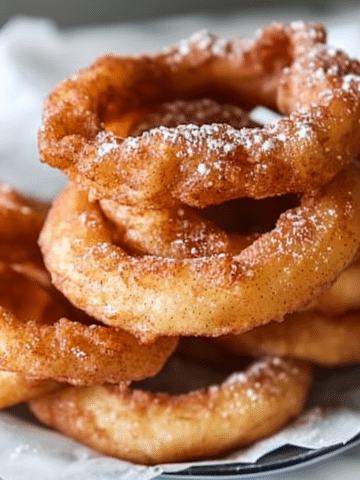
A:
<point x="71" y="13"/>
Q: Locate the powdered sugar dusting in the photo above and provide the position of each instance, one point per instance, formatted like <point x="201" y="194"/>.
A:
<point x="268" y="145"/>
<point x="351" y="80"/>
<point x="275" y="367"/>
<point x="298" y="25"/>
<point x="206" y="45"/>
<point x="78" y="353"/>
<point x="202" y="169"/>
<point x="218" y="138"/>
<point x="25" y="210"/>
<point x="110" y="309"/>
<point x="108" y="143"/>
<point x="304" y="131"/>
<point x="196" y="112"/>
<point x="6" y="188"/>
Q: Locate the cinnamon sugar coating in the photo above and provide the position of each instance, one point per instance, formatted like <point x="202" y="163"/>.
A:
<point x="20" y="228"/>
<point x="287" y="67"/>
<point x="151" y="428"/>
<point x="144" y="140"/>
<point x="311" y="336"/>
<point x="151" y="295"/>
<point x="38" y="340"/>
<point x="344" y="294"/>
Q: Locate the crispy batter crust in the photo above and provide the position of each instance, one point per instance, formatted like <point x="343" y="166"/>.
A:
<point x="38" y="340"/>
<point x="37" y="337"/>
<point x="150" y="428"/>
<point x="311" y="336"/>
<point x="287" y="67"/>
<point x="212" y="295"/>
<point x="20" y="228"/>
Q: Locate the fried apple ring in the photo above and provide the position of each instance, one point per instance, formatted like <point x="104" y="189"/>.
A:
<point x="311" y="336"/>
<point x="20" y="227"/>
<point x="344" y="295"/>
<point x="152" y="428"/>
<point x="287" y="67"/>
<point x="17" y="388"/>
<point x="38" y="340"/>
<point x="21" y="220"/>
<point x="196" y="112"/>
<point x="184" y="233"/>
<point x="180" y="232"/>
<point x="212" y="295"/>
<point x="172" y="114"/>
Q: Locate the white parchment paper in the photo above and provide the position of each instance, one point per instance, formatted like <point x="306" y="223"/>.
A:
<point x="34" y="56"/>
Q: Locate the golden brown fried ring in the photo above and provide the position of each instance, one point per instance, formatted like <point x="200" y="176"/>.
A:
<point x="196" y="112"/>
<point x="311" y="336"/>
<point x="17" y="388"/>
<point x="38" y="340"/>
<point x="212" y="295"/>
<point x="180" y="232"/>
<point x="172" y="114"/>
<point x="20" y="228"/>
<point x="17" y="214"/>
<point x="149" y="428"/>
<point x="344" y="294"/>
<point x="208" y="164"/>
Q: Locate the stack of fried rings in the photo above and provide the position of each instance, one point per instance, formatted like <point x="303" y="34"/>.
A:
<point x="194" y="278"/>
<point x="40" y="348"/>
<point x="305" y="152"/>
<point x="39" y="344"/>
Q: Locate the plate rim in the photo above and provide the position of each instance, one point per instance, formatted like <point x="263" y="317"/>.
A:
<point x="239" y="470"/>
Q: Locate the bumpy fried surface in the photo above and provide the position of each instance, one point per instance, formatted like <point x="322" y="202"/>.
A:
<point x="180" y="112"/>
<point x="212" y="295"/>
<point x="147" y="142"/>
<point x="180" y="232"/>
<point x="150" y="428"/>
<point x="38" y="339"/>
<point x="287" y="67"/>
<point x="20" y="227"/>
<point x="311" y="336"/>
